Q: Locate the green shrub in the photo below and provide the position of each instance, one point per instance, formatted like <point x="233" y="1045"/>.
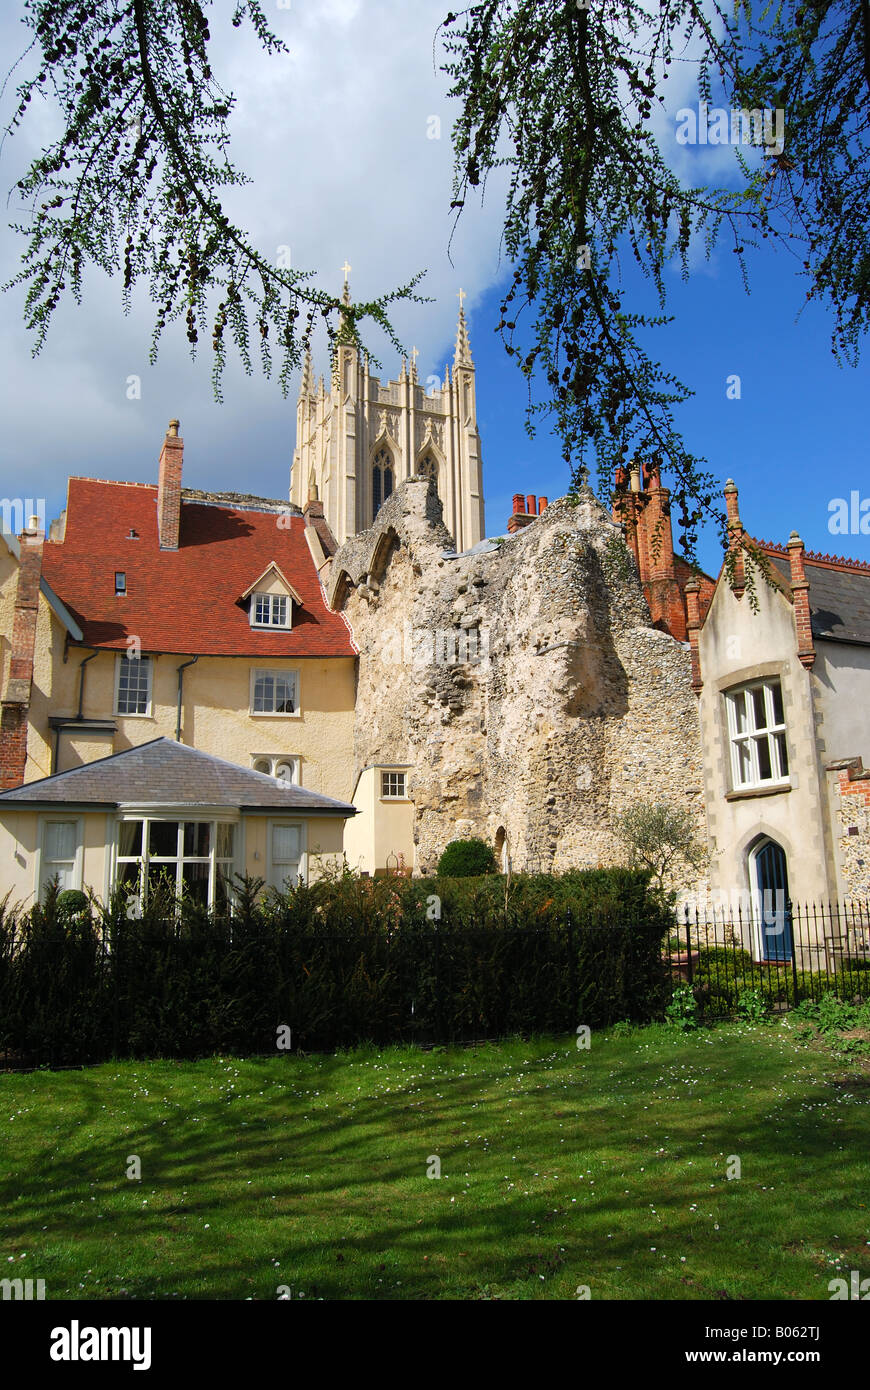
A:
<point x="72" y="902"/>
<point x="466" y="859"/>
<point x="682" y="1011"/>
<point x="751" y="1005"/>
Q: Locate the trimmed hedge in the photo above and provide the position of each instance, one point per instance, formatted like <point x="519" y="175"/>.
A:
<point x="466" y="859"/>
<point x="342" y="962"/>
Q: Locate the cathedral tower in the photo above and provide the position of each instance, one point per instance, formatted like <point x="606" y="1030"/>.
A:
<point x="357" y="441"/>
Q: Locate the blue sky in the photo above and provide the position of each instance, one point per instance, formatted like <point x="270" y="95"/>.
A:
<point x="337" y="137"/>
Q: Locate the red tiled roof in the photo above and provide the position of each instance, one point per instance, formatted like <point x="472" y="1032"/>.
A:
<point x="184" y="600"/>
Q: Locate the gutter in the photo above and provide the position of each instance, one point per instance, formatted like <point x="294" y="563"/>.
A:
<point x="183" y="667"/>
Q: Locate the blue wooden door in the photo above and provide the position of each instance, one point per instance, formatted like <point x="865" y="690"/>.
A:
<point x="775" y="912"/>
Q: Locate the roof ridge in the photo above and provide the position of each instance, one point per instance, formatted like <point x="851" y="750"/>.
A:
<point x="816" y="557"/>
<point x="111" y="482"/>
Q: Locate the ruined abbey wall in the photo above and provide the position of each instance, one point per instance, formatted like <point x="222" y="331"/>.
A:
<point x="523" y="684"/>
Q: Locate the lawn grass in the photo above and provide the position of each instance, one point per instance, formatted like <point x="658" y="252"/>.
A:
<point x="560" y="1168"/>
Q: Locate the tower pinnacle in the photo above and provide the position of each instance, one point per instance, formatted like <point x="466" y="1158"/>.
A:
<point x="462" y="355"/>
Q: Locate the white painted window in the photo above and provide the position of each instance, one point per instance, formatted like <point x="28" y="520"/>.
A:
<point x="270" y="610"/>
<point x="61" y="854"/>
<point x="284" y="767"/>
<point x="285" y="854"/>
<point x="756" y="730"/>
<point x="393" y="786"/>
<point x="133" y="685"/>
<point x="274" y="692"/>
<point x="192" y="859"/>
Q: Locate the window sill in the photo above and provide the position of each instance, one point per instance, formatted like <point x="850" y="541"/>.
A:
<point x="742" y="793"/>
<point x="273" y="714"/>
<point x="117" y="715"/>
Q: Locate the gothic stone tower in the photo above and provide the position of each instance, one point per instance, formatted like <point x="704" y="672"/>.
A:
<point x="357" y="442"/>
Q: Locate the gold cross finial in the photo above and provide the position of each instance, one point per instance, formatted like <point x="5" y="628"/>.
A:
<point x="462" y="296"/>
<point x="347" y="269"/>
<point x="414" y="354"/>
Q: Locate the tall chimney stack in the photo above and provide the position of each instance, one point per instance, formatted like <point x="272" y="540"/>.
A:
<point x="169" y="488"/>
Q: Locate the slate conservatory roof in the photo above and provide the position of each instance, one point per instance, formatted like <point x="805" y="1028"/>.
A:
<point x="166" y="773"/>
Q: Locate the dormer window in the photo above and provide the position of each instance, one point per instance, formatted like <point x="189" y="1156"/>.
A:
<point x="270" y="600"/>
<point x="120" y="583"/>
<point x="270" y="610"/>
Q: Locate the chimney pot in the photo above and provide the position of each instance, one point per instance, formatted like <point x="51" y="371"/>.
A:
<point x="518" y="503"/>
<point x="531" y="504"/>
<point x="542" y="505"/>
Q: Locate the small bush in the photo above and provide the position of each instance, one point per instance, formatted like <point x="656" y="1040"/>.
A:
<point x="466" y="859"/>
<point x="751" y="1006"/>
<point x="682" y="1011"/>
<point x="71" y="903"/>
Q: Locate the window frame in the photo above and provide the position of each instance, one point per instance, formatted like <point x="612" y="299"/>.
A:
<point x="293" y="673"/>
<point x="397" y="773"/>
<point x="182" y="816"/>
<point x="133" y="714"/>
<point x="302" y="863"/>
<point x="45" y="818"/>
<point x="753" y="735"/>
<point x="274" y="759"/>
<point x="259" y="594"/>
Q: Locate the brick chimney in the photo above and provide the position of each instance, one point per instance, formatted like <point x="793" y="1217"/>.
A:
<point x="169" y="488"/>
<point x="735" y="535"/>
<point x="646" y="517"/>
<point x="800" y="589"/>
<point x="525" y="511"/>
<point x="14" y="717"/>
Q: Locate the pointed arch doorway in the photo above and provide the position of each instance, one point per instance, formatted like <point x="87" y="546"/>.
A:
<point x="768" y="878"/>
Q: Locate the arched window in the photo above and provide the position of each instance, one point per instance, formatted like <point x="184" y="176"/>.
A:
<point x="428" y="468"/>
<point x="382" y="479"/>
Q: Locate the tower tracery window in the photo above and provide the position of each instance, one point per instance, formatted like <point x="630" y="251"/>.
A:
<point x="428" y="468"/>
<point x="382" y="479"/>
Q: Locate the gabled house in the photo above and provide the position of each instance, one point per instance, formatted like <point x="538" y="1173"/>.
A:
<point x="164" y="612"/>
<point x="784" y="694"/>
<point x="155" y="611"/>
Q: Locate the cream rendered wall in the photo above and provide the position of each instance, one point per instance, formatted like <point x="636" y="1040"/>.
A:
<point x="359" y="834"/>
<point x="216" y="705"/>
<point x="18" y="849"/>
<point x="394" y="827"/>
<point x="20" y="842"/>
<point x="77" y="749"/>
<point x="738" y="645"/>
<point x="323" y="839"/>
<point x="382" y="828"/>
